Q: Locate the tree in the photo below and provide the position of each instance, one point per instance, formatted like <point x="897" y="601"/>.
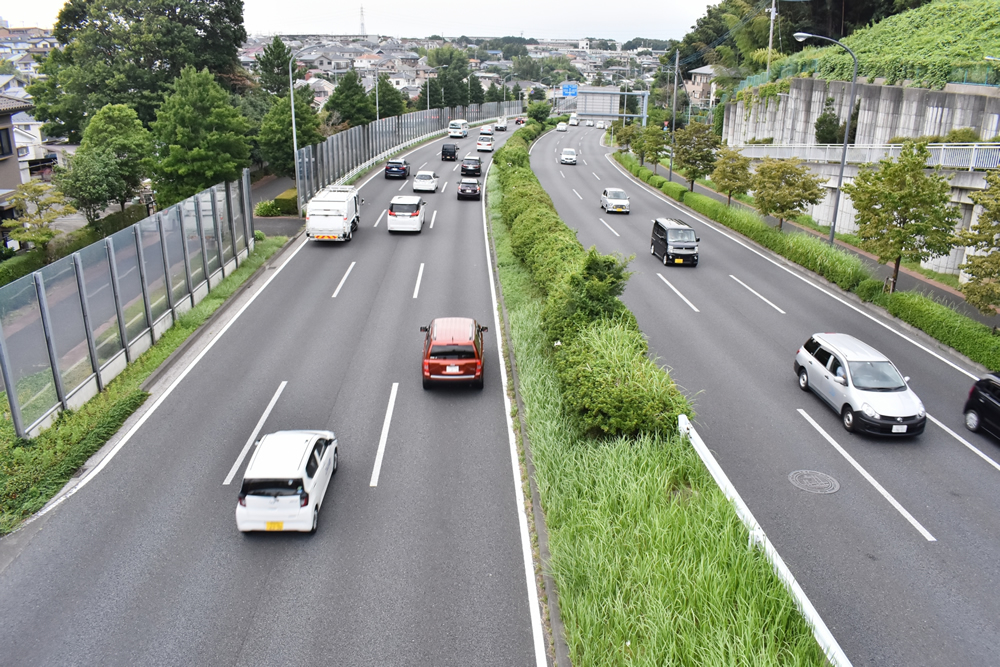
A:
<point x="493" y="93"/>
<point x="272" y="67"/>
<point x="38" y="204"/>
<point x="625" y="135"/>
<point x="254" y="105"/>
<point x="431" y="89"/>
<point x="652" y="145"/>
<point x="390" y="100"/>
<point x="694" y="151"/>
<point x="983" y="268"/>
<point x="854" y="125"/>
<point x="7" y="67"/>
<point x="276" y="131"/>
<point x="200" y="138"/>
<point x="350" y="101"/>
<point x="129" y="52"/>
<point x="117" y="129"/>
<point x="732" y="173"/>
<point x="901" y="212"/>
<point x="783" y="187"/>
<point x="537" y="95"/>
<point x="90" y="182"/>
<point x="539" y="111"/>
<point x="476" y="93"/>
<point x="515" y="92"/>
<point x="827" y="124"/>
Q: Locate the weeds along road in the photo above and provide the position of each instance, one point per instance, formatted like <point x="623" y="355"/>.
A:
<point x="896" y="559"/>
<point x="144" y="565"/>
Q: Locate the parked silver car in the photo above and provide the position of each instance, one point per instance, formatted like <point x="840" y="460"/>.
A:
<point x="860" y="384"/>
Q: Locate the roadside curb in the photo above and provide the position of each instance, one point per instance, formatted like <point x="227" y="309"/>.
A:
<point x="558" y="630"/>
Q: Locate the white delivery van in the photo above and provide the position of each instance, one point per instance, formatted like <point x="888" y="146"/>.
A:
<point x="334" y="213"/>
<point x="458" y="128"/>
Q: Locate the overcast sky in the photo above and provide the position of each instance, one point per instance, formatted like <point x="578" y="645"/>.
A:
<point x="657" y="19"/>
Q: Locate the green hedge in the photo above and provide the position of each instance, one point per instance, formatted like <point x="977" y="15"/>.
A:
<point x="288" y="202"/>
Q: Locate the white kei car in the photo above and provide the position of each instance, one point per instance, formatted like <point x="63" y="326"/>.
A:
<point x="286" y="481"/>
<point x="425" y="181"/>
<point x="614" y="200"/>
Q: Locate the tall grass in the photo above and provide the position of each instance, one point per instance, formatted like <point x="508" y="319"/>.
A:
<point x="652" y="564"/>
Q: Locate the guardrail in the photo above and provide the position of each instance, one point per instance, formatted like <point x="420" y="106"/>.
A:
<point x="355" y="150"/>
<point x="821" y="632"/>
<point x="950" y="156"/>
<point x="69" y="328"/>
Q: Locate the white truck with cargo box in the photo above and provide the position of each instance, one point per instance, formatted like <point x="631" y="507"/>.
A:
<point x="334" y="213"/>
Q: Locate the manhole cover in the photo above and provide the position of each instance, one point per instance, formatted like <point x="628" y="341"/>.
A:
<point x="813" y="481"/>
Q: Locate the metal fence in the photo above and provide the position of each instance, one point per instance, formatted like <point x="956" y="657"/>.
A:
<point x="981" y="75"/>
<point x="950" y="156"/>
<point x="69" y="328"/>
<point x="352" y="151"/>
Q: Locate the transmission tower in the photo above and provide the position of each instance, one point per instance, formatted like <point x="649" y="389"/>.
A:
<point x="363" y="33"/>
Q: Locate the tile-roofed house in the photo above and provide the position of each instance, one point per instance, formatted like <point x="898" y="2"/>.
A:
<point x="10" y="168"/>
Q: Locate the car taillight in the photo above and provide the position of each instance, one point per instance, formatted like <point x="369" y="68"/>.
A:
<point x="303" y="499"/>
<point x="243" y="499"/>
<point x="479" y="366"/>
<point x="427" y="366"/>
<point x="972" y="389"/>
<point x="415" y="214"/>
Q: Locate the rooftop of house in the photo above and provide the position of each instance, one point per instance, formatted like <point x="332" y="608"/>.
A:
<point x="11" y="105"/>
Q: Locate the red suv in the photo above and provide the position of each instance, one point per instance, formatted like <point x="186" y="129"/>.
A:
<point x="453" y="351"/>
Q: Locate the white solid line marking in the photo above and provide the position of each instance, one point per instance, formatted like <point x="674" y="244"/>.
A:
<point x="433" y="216"/>
<point x="608" y="226"/>
<point x="253" y="436"/>
<point x="678" y="293"/>
<point x="380" y="217"/>
<point x="973" y="448"/>
<point x="343" y="280"/>
<point x="561" y="173"/>
<point x="577" y="194"/>
<point x="169" y="390"/>
<point x="534" y="610"/>
<point x="444" y="185"/>
<point x="401" y="187"/>
<point x="418" y="168"/>
<point x="729" y="234"/>
<point x="757" y="294"/>
<point x="871" y="480"/>
<point x="596" y="176"/>
<point x="420" y="274"/>
<point x="385" y="434"/>
<point x="455" y="168"/>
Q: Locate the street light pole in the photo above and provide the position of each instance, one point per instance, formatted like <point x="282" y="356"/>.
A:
<point x="673" y="114"/>
<point x="376" y="92"/>
<point x="800" y="37"/>
<point x="295" y="141"/>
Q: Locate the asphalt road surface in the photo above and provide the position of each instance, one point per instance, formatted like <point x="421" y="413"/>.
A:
<point x="144" y="565"/>
<point x="903" y="561"/>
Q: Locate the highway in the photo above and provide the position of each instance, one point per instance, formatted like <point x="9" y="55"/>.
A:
<point x="417" y="561"/>
<point x="902" y="562"/>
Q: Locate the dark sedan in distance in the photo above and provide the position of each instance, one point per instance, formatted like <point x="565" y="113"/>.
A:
<point x="397" y="168"/>
<point x="470" y="188"/>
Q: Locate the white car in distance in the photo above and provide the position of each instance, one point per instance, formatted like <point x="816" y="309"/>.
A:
<point x="568" y="156"/>
<point x="485" y="143"/>
<point x="562" y="127"/>
<point x="614" y="200"/>
<point x="286" y="481"/>
<point x="486" y="129"/>
<point x="500" y="125"/>
<point x="600" y="125"/>
<point x="425" y="181"/>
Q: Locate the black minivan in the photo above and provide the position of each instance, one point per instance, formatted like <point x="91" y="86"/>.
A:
<point x="674" y="241"/>
<point x="449" y="152"/>
<point x="982" y="408"/>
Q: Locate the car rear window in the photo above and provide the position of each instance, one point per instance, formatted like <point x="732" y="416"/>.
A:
<point x="471" y="161"/>
<point x="271" y="487"/>
<point x="402" y="208"/>
<point x="424" y="177"/>
<point x="452" y="352"/>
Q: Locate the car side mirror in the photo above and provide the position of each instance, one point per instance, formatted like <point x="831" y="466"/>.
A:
<point x="840" y="380"/>
<point x="484" y="329"/>
<point x="424" y="329"/>
<point x="697" y="239"/>
<point x="362" y="201"/>
<point x="906" y="378"/>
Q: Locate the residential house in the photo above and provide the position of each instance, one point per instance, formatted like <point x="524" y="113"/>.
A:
<point x="700" y="88"/>
<point x="322" y="89"/>
<point x="10" y="170"/>
<point x="13" y="85"/>
<point x="33" y="156"/>
<point x="412" y="92"/>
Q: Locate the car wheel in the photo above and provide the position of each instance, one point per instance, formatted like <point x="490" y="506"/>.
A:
<point x="315" y="520"/>
<point x="427" y="383"/>
<point x="664" y="259"/>
<point x="803" y="380"/>
<point x="972" y="420"/>
<point x="652" y="249"/>
<point x="334" y="466"/>
<point x="478" y="384"/>
<point x="479" y="198"/>
<point x="847" y="417"/>
<point x="350" y="235"/>
<point x="626" y="211"/>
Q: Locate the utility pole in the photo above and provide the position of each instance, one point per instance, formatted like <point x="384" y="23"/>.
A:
<point x="770" y="38"/>
<point x="673" y="113"/>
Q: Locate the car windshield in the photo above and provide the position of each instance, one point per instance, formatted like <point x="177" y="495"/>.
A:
<point x="876" y="376"/>
<point x="682" y="235"/>
<point x="271" y="487"/>
<point x="402" y="208"/>
<point x="616" y="194"/>
<point x="453" y="352"/>
<point x="569" y="151"/>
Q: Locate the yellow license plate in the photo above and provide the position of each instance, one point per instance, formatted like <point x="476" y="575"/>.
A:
<point x="678" y="261"/>
<point x="274" y="525"/>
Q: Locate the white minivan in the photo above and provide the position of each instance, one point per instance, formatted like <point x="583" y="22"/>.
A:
<point x="458" y="128"/>
<point x="334" y="213"/>
<point x="406" y="214"/>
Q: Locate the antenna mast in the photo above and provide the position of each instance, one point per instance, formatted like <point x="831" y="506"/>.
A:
<point x="363" y="33"/>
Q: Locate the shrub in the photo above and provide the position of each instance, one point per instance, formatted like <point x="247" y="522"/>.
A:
<point x="869" y="290"/>
<point x="962" y="135"/>
<point x="287" y="202"/>
<point x="612" y="387"/>
<point x="548" y="248"/>
<point x="657" y="181"/>
<point x="258" y="235"/>
<point x="674" y="190"/>
<point x="267" y="209"/>
<point x="21" y="265"/>
<point x="705" y="205"/>
<point x="589" y="293"/>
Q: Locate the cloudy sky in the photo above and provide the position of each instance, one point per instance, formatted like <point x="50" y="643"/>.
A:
<point x="656" y="19"/>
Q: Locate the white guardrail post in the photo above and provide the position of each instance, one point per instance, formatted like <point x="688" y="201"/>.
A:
<point x="822" y="633"/>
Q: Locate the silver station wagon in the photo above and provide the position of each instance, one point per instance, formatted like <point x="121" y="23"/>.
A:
<point x="860" y="384"/>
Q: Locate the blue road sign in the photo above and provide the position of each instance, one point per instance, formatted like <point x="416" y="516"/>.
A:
<point x="569" y="90"/>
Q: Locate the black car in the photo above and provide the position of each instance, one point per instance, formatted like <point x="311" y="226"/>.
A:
<point x="472" y="166"/>
<point x="674" y="241"/>
<point x="982" y="408"/>
<point x="469" y="188"/>
<point x="449" y="151"/>
<point x="397" y="168"/>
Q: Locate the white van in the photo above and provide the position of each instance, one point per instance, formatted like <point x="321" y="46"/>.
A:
<point x="458" y="128"/>
<point x="334" y="213"/>
<point x="406" y="214"/>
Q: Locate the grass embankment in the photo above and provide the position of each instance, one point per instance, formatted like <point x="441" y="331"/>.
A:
<point x="32" y="471"/>
<point x="964" y="334"/>
<point x="651" y="561"/>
